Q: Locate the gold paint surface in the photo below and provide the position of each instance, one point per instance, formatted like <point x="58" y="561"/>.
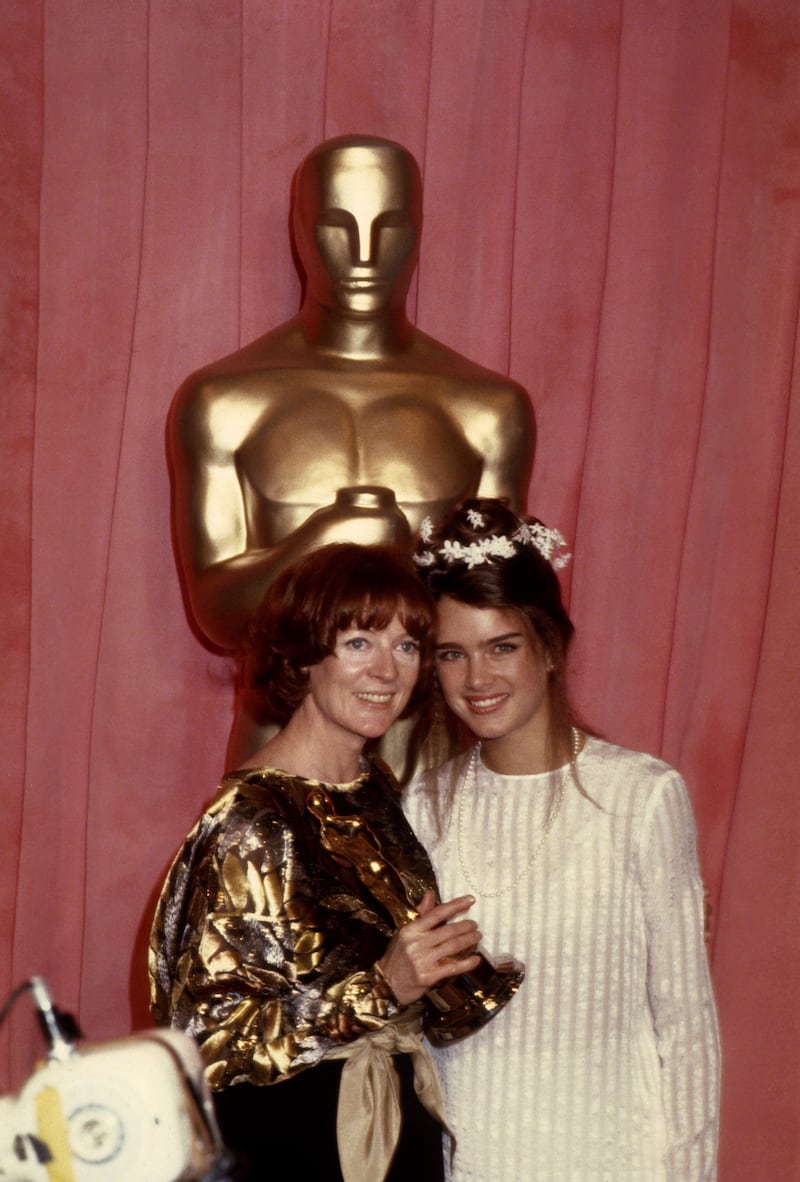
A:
<point x="345" y="423"/>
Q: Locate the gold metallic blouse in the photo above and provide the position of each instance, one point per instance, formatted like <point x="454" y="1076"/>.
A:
<point x="264" y="944"/>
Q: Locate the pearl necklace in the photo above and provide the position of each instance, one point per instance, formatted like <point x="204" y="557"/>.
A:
<point x="472" y="774"/>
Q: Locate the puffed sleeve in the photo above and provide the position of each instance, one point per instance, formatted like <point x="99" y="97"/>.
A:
<point x="679" y="983"/>
<point x="244" y="957"/>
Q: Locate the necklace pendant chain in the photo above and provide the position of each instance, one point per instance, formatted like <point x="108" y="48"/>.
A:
<point x="471" y="777"/>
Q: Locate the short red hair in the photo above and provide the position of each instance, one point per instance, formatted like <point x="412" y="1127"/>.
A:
<point x="338" y="586"/>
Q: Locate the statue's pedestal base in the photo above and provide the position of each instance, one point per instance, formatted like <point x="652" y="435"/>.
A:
<point x="463" y="1004"/>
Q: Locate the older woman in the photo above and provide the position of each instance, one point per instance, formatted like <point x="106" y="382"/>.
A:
<point x="272" y="945"/>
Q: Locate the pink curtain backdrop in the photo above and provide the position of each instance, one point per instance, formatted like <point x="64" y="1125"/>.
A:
<point x="611" y="203"/>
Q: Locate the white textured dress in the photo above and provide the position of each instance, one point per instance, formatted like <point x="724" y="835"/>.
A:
<point x="605" y="1066"/>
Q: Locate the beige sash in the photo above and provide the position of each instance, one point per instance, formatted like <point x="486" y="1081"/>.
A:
<point x="369" y="1115"/>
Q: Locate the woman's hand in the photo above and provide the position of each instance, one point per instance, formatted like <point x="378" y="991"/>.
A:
<point x="429" y="949"/>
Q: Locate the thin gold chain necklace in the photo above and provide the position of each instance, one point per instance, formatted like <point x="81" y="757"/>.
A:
<point x="472" y="775"/>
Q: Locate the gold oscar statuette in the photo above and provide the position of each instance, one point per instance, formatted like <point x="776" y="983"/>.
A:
<point x="456" y="1007"/>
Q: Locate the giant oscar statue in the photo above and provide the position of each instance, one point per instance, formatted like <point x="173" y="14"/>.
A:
<point x="344" y="423"/>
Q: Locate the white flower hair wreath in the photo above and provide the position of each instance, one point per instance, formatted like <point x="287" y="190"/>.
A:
<point x="549" y="542"/>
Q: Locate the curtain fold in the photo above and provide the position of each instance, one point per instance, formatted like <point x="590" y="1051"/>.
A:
<point x="611" y="218"/>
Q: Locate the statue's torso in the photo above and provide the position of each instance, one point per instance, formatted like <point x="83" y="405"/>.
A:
<point x="306" y="435"/>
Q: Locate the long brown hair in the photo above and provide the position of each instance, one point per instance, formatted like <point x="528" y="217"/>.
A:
<point x="512" y="575"/>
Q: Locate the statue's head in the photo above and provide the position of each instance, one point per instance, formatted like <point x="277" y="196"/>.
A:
<point x="357" y="217"/>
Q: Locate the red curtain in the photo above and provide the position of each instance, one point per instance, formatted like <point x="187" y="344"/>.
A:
<point x="611" y="204"/>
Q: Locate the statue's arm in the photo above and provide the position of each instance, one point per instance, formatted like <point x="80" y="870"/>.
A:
<point x="225" y="569"/>
<point x="224" y="579"/>
<point x="507" y="442"/>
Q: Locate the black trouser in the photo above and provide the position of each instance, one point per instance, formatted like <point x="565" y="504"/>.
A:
<point x="288" y="1130"/>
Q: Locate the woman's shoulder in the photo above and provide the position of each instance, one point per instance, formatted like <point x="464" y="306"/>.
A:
<point x="611" y="773"/>
<point x="427" y="794"/>
<point x="246" y="800"/>
<point x="433" y="779"/>
<point x="254" y="789"/>
<point x="602" y="755"/>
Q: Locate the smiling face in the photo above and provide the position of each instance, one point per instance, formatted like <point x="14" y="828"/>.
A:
<point x="493" y="674"/>
<point x="364" y="685"/>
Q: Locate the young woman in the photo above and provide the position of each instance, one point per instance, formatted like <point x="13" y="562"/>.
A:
<point x="605" y="1066"/>
<point x="269" y="944"/>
